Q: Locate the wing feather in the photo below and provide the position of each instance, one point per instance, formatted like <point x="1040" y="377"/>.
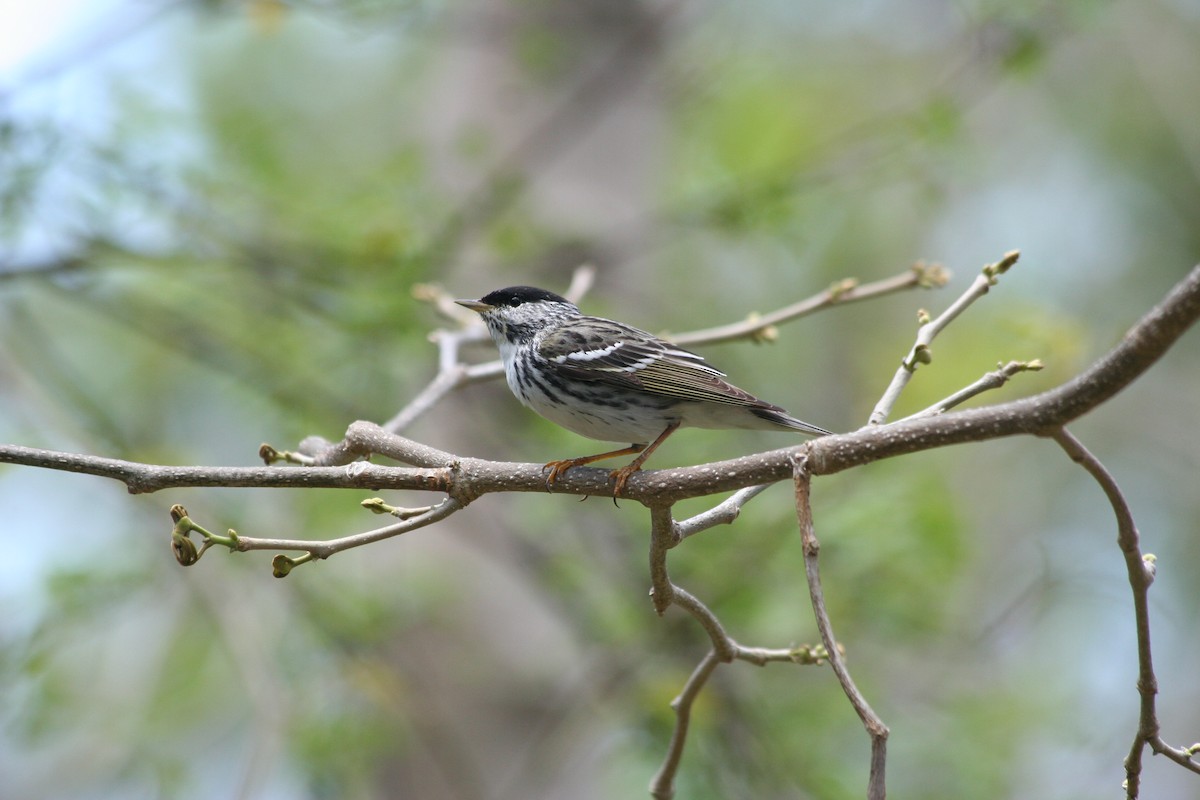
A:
<point x="603" y="351"/>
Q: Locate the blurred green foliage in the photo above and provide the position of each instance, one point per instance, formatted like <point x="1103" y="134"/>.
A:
<point x="219" y="248"/>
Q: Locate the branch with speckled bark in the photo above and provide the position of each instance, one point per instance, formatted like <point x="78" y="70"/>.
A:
<point x="462" y="480"/>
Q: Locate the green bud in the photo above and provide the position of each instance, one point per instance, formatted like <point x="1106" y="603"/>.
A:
<point x="184" y="549"/>
<point x="281" y="565"/>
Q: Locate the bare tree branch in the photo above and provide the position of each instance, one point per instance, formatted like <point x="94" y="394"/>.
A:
<point x="1041" y="414"/>
<point x="724" y="513"/>
<point x="467" y="478"/>
<point x="926" y="276"/>
<point x="991" y="380"/>
<point x="1141" y="569"/>
<point x="662" y="539"/>
<point x="662" y="787"/>
<point x="876" y="783"/>
<point x="461" y="480"/>
<point x="187" y="554"/>
<point x="724" y="649"/>
<point x="723" y="645"/>
<point x="920" y="352"/>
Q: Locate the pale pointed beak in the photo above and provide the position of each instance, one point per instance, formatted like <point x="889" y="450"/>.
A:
<point x="475" y="305"/>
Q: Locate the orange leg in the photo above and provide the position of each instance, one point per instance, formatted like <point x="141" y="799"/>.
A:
<point x="621" y="476"/>
<point x="557" y="468"/>
<point x="618" y="476"/>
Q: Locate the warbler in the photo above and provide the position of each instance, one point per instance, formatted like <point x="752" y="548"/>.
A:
<point x="610" y="381"/>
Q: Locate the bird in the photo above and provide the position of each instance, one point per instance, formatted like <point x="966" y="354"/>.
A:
<point x="610" y="381"/>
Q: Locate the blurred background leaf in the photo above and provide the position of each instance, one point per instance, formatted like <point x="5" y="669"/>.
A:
<point x="211" y="218"/>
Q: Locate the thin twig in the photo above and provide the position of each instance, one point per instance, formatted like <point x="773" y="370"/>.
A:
<point x="443" y="383"/>
<point x="434" y="294"/>
<point x="662" y="787"/>
<point x="728" y="649"/>
<point x="1141" y="570"/>
<point x="920" y="352"/>
<point x="724" y="649"/>
<point x="813" y="655"/>
<point x="188" y="555"/>
<point x="758" y="326"/>
<point x="582" y="280"/>
<point x="991" y="380"/>
<point x="876" y="782"/>
<point x="723" y="645"/>
<point x="724" y="513"/>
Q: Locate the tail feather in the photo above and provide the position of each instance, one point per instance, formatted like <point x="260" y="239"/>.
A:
<point x="778" y="416"/>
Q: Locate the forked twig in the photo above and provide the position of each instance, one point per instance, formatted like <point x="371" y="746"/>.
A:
<point x="876" y="781"/>
<point x="930" y="328"/>
<point x="724" y="649"/>
<point x="1141" y="569"/>
<point x="411" y="519"/>
<point x="461" y="480"/>
<point x="991" y="380"/>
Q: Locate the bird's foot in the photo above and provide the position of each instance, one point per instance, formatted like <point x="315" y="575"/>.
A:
<point x="557" y="468"/>
<point x="619" y="477"/>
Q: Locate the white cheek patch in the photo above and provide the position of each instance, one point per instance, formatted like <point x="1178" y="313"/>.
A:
<point x="588" y="355"/>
